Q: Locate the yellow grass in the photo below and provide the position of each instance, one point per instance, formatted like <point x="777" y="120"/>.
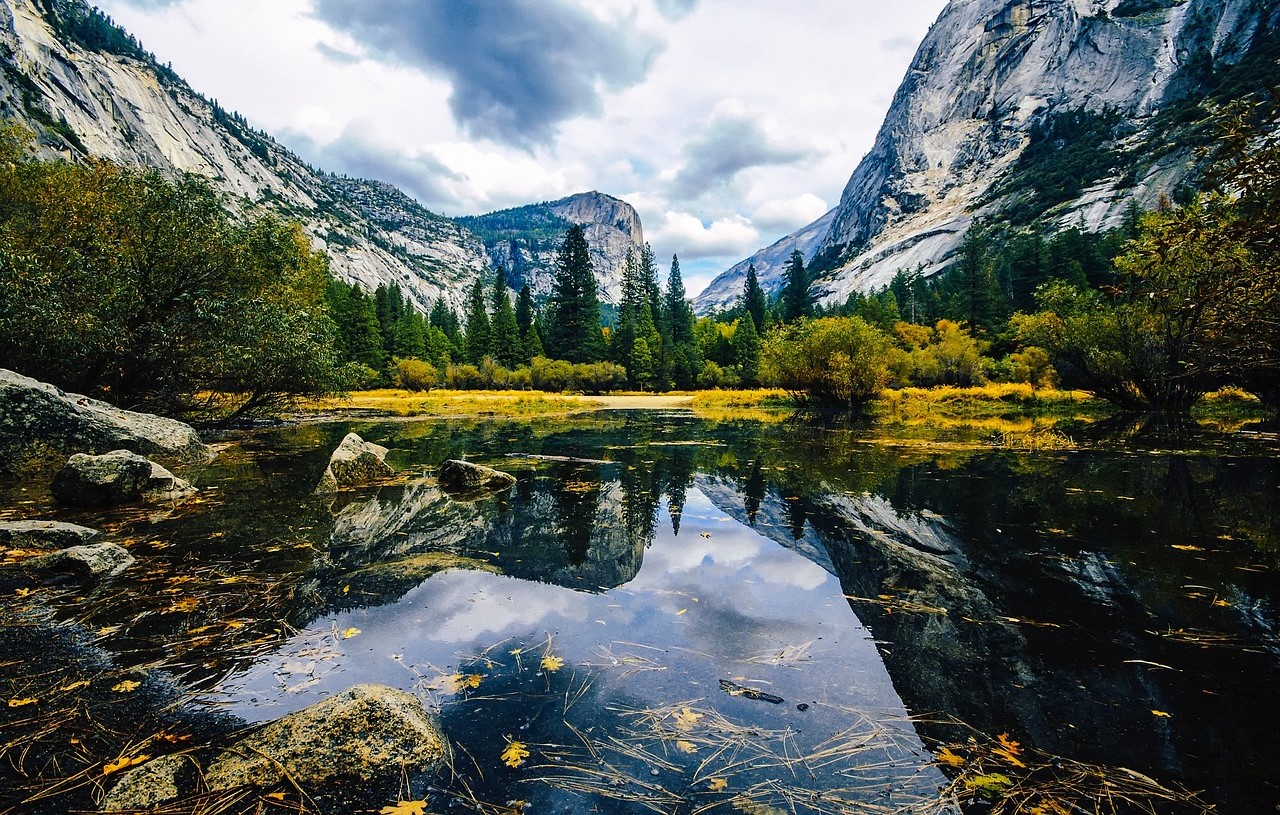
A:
<point x="398" y="402"/>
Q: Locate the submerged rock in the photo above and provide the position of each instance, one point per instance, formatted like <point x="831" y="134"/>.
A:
<point x="367" y="733"/>
<point x="118" y="477"/>
<point x="153" y="783"/>
<point x="37" y="419"/>
<point x="355" y="462"/>
<point x="94" y="561"/>
<point x="44" y="534"/>
<point x="464" y="477"/>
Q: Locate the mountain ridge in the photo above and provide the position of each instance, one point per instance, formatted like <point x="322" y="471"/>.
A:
<point x="989" y="76"/>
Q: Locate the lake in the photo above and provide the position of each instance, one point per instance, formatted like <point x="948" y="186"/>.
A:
<point x="677" y="615"/>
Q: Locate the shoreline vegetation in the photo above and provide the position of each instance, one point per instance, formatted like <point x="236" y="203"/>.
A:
<point x="1002" y="407"/>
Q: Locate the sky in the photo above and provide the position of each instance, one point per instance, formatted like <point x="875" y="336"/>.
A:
<point x="726" y="123"/>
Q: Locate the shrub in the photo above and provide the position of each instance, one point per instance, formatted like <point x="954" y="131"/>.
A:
<point x="415" y="375"/>
<point x="834" y="361"/>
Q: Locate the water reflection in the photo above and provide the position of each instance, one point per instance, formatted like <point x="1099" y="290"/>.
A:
<point x="1059" y="597"/>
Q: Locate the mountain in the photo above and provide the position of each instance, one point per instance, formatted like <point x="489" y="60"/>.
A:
<point x="1061" y="112"/>
<point x="88" y="88"/>
<point x="524" y="240"/>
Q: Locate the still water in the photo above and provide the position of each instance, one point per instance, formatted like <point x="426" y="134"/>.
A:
<point x="669" y="613"/>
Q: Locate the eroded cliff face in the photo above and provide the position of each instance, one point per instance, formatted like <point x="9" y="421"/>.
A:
<point x="525" y="241"/>
<point x="988" y="73"/>
<point x="130" y="111"/>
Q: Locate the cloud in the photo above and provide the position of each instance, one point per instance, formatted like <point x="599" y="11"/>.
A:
<point x="789" y="214"/>
<point x="730" y="236"/>
<point x="675" y="9"/>
<point x="900" y="43"/>
<point x="154" y="5"/>
<point x="733" y="141"/>
<point x="359" y="152"/>
<point x="518" y="67"/>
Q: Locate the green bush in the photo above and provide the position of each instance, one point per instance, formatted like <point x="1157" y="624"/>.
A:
<point x="415" y="375"/>
<point x="833" y="361"/>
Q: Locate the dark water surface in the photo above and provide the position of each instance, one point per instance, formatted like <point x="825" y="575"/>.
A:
<point x="1115" y="605"/>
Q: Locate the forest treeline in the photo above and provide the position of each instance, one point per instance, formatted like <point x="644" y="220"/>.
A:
<point x="143" y="289"/>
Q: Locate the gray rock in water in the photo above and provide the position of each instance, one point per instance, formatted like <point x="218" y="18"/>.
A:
<point x="44" y="534"/>
<point x="355" y="462"/>
<point x="94" y="561"/>
<point x="118" y="477"/>
<point x="147" y="786"/>
<point x="367" y="733"/>
<point x="464" y="477"/>
<point x="37" y="419"/>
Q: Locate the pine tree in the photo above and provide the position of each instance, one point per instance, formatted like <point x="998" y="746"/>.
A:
<point x="754" y="299"/>
<point x="504" y="340"/>
<point x="477" y="338"/>
<point x="795" y="293"/>
<point x="524" y="321"/>
<point x="573" y="330"/>
<point x="685" y="360"/>
<point x="660" y="346"/>
<point x="359" y="336"/>
<point x="746" y="351"/>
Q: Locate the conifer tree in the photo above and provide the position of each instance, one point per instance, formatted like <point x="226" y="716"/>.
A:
<point x="524" y="321"/>
<point x="573" y="330"/>
<point x="795" y="293"/>
<point x="504" y="340"/>
<point x="477" y="338"/>
<point x="746" y="351"/>
<point x="753" y="298"/>
<point x="359" y="336"/>
<point x="685" y="360"/>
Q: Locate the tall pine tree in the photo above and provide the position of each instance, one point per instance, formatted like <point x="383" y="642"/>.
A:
<point x="573" y="329"/>
<point x="795" y="293"/>
<point x="477" y="341"/>
<point x="686" y="361"/>
<point x="524" y="322"/>
<point x="504" y="340"/>
<point x="754" y="300"/>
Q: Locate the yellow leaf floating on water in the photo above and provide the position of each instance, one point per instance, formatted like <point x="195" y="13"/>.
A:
<point x="123" y="763"/>
<point x="1186" y="548"/>
<point x="681" y="611"/>
<point x="515" y="754"/>
<point x="405" y="808"/>
<point x="991" y="783"/>
<point x="1161" y="714"/>
<point x="686" y="746"/>
<point x="275" y="796"/>
<point x="552" y="663"/>
<point x="127" y="686"/>
<point x="350" y="632"/>
<point x="686" y="719"/>
<point x="717" y="784"/>
<point x="945" y="756"/>
<point x="456" y="683"/>
<point x="1009" y="750"/>
<point x="22" y="702"/>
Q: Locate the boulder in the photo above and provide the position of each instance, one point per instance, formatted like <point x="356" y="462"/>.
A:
<point x="367" y="733"/>
<point x="93" y="561"/>
<point x="467" y="478"/>
<point x="37" y="420"/>
<point x="355" y="462"/>
<point x="44" y="534"/>
<point x="153" y="783"/>
<point x="118" y="477"/>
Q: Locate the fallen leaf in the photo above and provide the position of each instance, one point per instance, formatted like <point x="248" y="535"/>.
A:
<point x="1186" y="548"/>
<point x="991" y="783"/>
<point x="275" y="796"/>
<point x="22" y="702"/>
<point x="1009" y="750"/>
<point x="686" y="719"/>
<point x="123" y="763"/>
<point x="685" y="746"/>
<point x="346" y="589"/>
<point x="515" y="754"/>
<point x="24" y="592"/>
<point x="945" y="756"/>
<point x="456" y="683"/>
<point x="405" y="808"/>
<point x="350" y="632"/>
<point x="552" y="663"/>
<point x="717" y="784"/>
<point x="681" y="611"/>
<point x="1161" y="714"/>
<point x="515" y="652"/>
<point x="127" y="686"/>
